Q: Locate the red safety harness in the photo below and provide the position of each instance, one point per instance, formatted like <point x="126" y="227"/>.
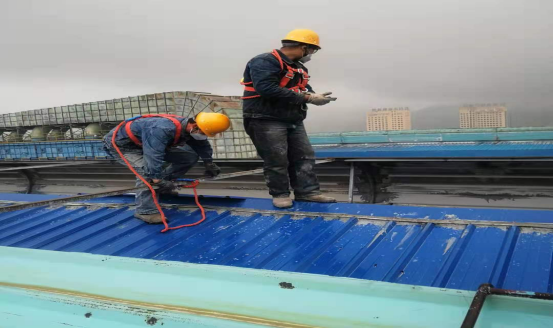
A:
<point x="127" y="123"/>
<point x="289" y="76"/>
<point x="173" y="118"/>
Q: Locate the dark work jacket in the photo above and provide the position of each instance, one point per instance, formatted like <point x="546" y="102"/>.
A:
<point x="156" y="135"/>
<point x="275" y="103"/>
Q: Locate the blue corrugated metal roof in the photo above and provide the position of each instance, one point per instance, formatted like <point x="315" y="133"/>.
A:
<point x="439" y="150"/>
<point x="397" y="246"/>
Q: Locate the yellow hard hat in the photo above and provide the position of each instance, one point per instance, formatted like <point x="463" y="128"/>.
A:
<point x="212" y="123"/>
<point x="303" y="36"/>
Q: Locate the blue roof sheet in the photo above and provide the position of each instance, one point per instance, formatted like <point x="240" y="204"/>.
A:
<point x="328" y="239"/>
<point x="439" y="150"/>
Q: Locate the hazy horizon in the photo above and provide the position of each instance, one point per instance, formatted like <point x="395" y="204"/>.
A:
<point x="424" y="54"/>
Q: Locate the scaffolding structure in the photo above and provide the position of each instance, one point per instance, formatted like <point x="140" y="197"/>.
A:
<point x="56" y="126"/>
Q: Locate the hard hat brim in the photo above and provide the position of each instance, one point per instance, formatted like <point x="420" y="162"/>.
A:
<point x="301" y="42"/>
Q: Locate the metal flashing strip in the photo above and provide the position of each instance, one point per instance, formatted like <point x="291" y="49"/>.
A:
<point x="54" y="289"/>
<point x="333" y="216"/>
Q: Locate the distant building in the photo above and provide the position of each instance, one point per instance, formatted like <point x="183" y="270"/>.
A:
<point x="382" y="119"/>
<point x="483" y="116"/>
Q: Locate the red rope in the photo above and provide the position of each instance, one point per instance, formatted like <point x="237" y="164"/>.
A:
<point x="152" y="190"/>
<point x="192" y="185"/>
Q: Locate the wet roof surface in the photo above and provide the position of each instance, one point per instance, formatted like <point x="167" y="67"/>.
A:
<point x="503" y="247"/>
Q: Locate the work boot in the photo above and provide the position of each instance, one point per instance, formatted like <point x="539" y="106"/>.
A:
<point x="282" y="202"/>
<point x="316" y="199"/>
<point x="149" y="218"/>
<point x="167" y="187"/>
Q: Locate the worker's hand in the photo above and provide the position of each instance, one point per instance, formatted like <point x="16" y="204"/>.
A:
<point x="211" y="169"/>
<point x="320" y="99"/>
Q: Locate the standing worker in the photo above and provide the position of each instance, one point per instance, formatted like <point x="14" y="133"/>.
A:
<point x="162" y="148"/>
<point x="276" y="94"/>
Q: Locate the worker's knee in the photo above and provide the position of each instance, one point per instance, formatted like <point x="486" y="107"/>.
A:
<point x="182" y="155"/>
<point x="193" y="158"/>
<point x="274" y="153"/>
<point x="188" y="160"/>
<point x="275" y="161"/>
<point x="302" y="154"/>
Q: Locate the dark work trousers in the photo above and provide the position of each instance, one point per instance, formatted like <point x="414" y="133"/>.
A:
<point x="178" y="160"/>
<point x="288" y="158"/>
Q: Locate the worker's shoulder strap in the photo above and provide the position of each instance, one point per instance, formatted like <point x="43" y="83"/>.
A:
<point x="289" y="75"/>
<point x="173" y="118"/>
<point x="284" y="64"/>
<point x="279" y="58"/>
<point x="280" y="61"/>
<point x="250" y="92"/>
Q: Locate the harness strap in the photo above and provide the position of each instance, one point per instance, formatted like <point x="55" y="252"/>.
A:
<point x="277" y="55"/>
<point x="288" y="76"/>
<point x="171" y="117"/>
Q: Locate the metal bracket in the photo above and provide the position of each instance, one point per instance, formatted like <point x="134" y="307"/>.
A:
<point x="487" y="289"/>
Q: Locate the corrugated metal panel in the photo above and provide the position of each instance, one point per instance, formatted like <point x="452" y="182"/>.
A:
<point x="440" y="150"/>
<point x="58" y="289"/>
<point x="312" y="238"/>
<point x="506" y="149"/>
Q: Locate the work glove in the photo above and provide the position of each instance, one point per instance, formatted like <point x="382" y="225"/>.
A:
<point x="165" y="186"/>
<point x="211" y="169"/>
<point x="320" y="99"/>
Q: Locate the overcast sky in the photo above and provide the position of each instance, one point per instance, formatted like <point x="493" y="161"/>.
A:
<point x="381" y="53"/>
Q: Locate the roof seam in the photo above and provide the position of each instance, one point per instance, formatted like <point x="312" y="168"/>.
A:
<point x="340" y="216"/>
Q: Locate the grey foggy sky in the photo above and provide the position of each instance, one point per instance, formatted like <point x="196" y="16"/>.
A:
<point x="375" y="53"/>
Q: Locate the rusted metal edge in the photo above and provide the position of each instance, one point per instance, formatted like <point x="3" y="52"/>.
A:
<point x="339" y="216"/>
<point x="156" y="306"/>
<point x="485" y="290"/>
<point x="375" y="218"/>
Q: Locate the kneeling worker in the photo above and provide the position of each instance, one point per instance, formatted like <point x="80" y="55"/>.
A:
<point x="276" y="94"/>
<point x="162" y="148"/>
